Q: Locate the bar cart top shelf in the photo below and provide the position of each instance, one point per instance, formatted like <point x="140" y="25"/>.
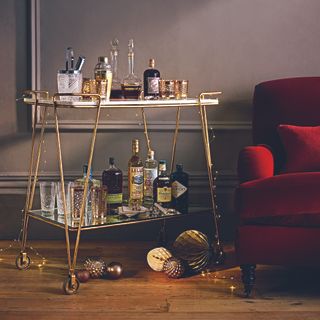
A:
<point x="158" y="103"/>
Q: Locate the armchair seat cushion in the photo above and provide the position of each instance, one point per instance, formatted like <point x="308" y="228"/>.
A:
<point x="291" y="199"/>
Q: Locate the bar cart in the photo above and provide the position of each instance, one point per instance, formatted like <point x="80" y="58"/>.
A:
<point x="40" y="101"/>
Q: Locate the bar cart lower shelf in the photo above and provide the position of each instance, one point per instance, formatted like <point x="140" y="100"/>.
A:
<point x="41" y="102"/>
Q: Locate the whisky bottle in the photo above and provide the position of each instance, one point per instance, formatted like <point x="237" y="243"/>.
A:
<point x="150" y="172"/>
<point x="103" y="77"/>
<point x="151" y="77"/>
<point x="131" y="87"/>
<point x="162" y="186"/>
<point x="112" y="178"/>
<point x="180" y="189"/>
<point x="116" y="91"/>
<point x="135" y="177"/>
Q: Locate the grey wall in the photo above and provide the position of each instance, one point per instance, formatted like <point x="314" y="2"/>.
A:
<point x="225" y="45"/>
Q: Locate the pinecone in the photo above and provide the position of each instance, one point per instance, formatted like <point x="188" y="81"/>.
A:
<point x="173" y="268"/>
<point x="95" y="266"/>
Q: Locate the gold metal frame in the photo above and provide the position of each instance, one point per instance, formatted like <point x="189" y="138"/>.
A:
<point x="56" y="103"/>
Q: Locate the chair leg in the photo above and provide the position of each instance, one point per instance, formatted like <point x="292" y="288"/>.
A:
<point x="248" y="278"/>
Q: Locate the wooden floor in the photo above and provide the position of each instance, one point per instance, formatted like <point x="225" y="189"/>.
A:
<point x="145" y="294"/>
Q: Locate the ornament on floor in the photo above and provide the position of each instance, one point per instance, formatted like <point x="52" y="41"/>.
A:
<point x="95" y="266"/>
<point x="83" y="275"/>
<point x="173" y="268"/>
<point x="193" y="247"/>
<point x="157" y="257"/>
<point x="114" y="270"/>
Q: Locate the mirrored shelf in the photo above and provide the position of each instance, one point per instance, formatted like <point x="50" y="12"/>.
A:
<point x="110" y="220"/>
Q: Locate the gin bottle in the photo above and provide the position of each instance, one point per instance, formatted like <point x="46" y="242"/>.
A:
<point x="150" y="172"/>
<point x="135" y="177"/>
<point x="151" y="78"/>
<point x="180" y="189"/>
<point x="112" y="179"/>
<point x="131" y="87"/>
<point x="162" y="186"/>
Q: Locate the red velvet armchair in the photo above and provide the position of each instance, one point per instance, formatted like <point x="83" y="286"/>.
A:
<point x="278" y="199"/>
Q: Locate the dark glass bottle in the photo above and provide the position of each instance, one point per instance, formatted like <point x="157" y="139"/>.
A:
<point x="112" y="178"/>
<point x="180" y="189"/>
<point x="162" y="186"/>
<point x="151" y="78"/>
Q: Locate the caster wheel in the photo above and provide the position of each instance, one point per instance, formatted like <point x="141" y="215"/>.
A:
<point x="23" y="261"/>
<point x="68" y="288"/>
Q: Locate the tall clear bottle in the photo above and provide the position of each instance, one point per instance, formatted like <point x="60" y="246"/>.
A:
<point x="112" y="178"/>
<point x="135" y="177"/>
<point x="150" y="173"/>
<point x="103" y="77"/>
<point x="116" y="91"/>
<point x="131" y="86"/>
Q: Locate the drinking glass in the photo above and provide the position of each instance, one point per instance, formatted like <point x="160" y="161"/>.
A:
<point x="76" y="199"/>
<point x="99" y="202"/>
<point x="47" y="197"/>
<point x="60" y="207"/>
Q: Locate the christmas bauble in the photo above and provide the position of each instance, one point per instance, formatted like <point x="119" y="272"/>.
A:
<point x="173" y="268"/>
<point x="114" y="270"/>
<point x="193" y="247"/>
<point x="83" y="275"/>
<point x="156" y="258"/>
<point x="95" y="266"/>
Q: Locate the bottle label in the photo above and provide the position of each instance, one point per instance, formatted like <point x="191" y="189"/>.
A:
<point x="136" y="182"/>
<point x="149" y="176"/>
<point x="114" y="198"/>
<point x="178" y="189"/>
<point x="164" y="194"/>
<point x="153" y="85"/>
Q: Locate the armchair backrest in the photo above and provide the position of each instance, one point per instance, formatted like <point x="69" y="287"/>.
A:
<point x="294" y="101"/>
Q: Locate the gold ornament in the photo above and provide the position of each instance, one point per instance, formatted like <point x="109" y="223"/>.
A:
<point x="193" y="247"/>
<point x="173" y="268"/>
<point x="156" y="258"/>
<point x="95" y="266"/>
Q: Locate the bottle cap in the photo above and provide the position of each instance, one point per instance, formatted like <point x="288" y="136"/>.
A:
<point x="111" y="160"/>
<point x="151" y="63"/>
<point x="135" y="145"/>
<point x="151" y="153"/>
<point x="103" y="59"/>
<point x="179" y="167"/>
<point x="162" y="165"/>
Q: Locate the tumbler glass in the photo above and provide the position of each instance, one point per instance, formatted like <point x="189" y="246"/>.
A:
<point x="47" y="197"/>
<point x="99" y="202"/>
<point x="60" y="198"/>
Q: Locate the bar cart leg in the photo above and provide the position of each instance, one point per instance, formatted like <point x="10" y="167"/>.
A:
<point x="23" y="260"/>
<point x="175" y="138"/>
<point x="217" y="245"/>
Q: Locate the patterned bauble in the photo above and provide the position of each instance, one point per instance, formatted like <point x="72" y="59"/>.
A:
<point x="114" y="270"/>
<point x="173" y="268"/>
<point x="95" y="266"/>
<point x="156" y="258"/>
<point x="193" y="247"/>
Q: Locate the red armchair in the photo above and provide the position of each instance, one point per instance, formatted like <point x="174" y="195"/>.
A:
<point x="278" y="199"/>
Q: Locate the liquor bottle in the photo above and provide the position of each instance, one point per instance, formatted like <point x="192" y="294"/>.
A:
<point x="116" y="91"/>
<point x="112" y="178"/>
<point x="151" y="78"/>
<point x="162" y="186"/>
<point x="150" y="172"/>
<point x="180" y="189"/>
<point x="135" y="177"/>
<point x="103" y="77"/>
<point x="131" y="87"/>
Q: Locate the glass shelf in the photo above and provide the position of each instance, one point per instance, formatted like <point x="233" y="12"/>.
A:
<point x="110" y="220"/>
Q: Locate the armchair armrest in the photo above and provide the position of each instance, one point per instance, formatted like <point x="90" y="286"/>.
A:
<point x="255" y="162"/>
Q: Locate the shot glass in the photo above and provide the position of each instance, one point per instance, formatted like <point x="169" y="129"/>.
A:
<point x="60" y="206"/>
<point x="47" y="197"/>
<point x="181" y="89"/>
<point x="99" y="203"/>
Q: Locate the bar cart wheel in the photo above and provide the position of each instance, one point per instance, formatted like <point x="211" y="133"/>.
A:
<point x="23" y="261"/>
<point x="70" y="288"/>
